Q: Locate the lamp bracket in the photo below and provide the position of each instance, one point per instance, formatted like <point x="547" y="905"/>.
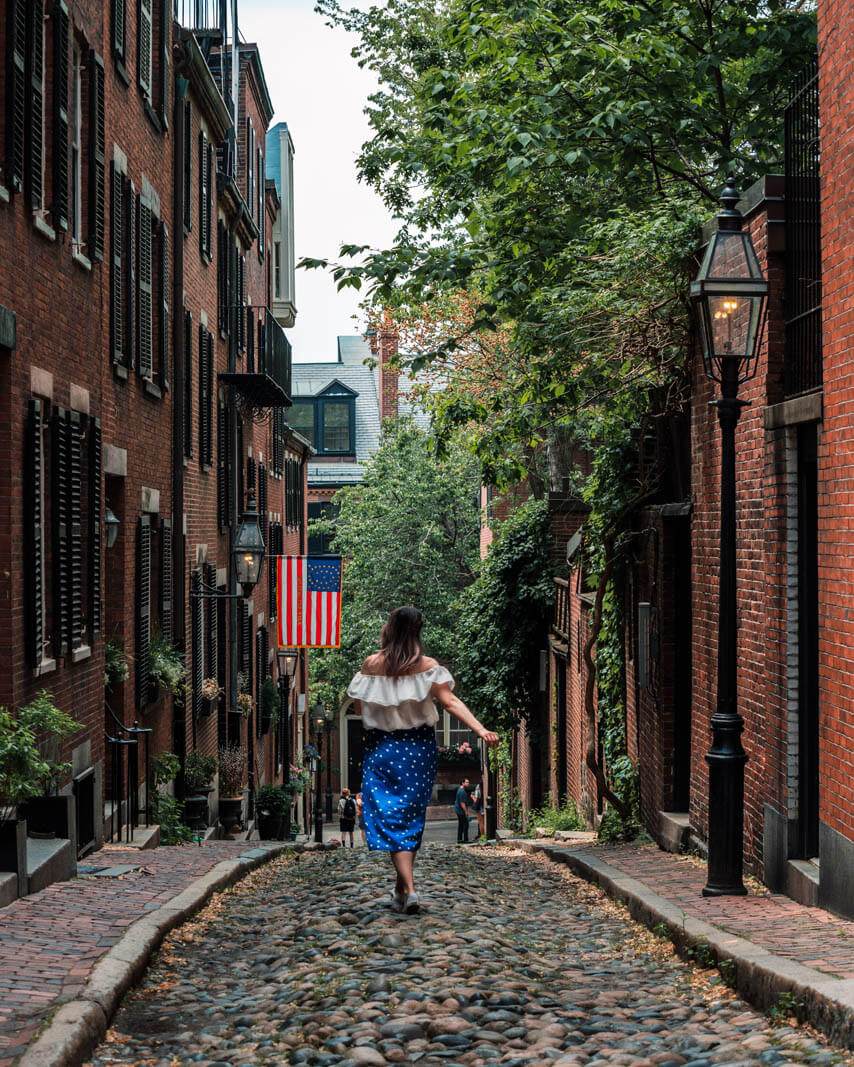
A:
<point x="210" y="592"/>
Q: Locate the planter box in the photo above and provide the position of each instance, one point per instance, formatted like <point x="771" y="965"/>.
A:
<point x="13" y="851"/>
<point x="231" y="813"/>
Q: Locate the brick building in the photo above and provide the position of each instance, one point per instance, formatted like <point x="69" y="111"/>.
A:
<point x="145" y="380"/>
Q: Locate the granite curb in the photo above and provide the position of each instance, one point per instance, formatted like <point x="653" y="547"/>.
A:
<point x="756" y="974"/>
<point x="78" y="1025"/>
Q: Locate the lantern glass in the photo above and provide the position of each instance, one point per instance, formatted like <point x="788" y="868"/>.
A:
<point x="318" y="717"/>
<point x="288" y="659"/>
<point x="111" y="525"/>
<point x="248" y="548"/>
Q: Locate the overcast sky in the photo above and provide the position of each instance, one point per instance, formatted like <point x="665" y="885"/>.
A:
<point x="320" y="92"/>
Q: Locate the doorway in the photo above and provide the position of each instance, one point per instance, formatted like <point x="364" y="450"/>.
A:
<point x="808" y="700"/>
<point x="355" y="752"/>
<point x="560" y="762"/>
<point x="681" y="543"/>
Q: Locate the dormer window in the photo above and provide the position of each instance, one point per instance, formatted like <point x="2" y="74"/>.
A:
<point x="328" y="420"/>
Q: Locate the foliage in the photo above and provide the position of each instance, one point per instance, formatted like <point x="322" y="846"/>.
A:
<point x="512" y="810"/>
<point x="211" y="689"/>
<point x="166" y="668"/>
<point x="164" y="768"/>
<point x="27" y="768"/>
<point x="501" y="619"/>
<point x="299" y="778"/>
<point x="232" y="770"/>
<point x="168" y="813"/>
<point x="788" y="1005"/>
<point x="244" y="704"/>
<point x="462" y="753"/>
<point x="272" y="799"/>
<point x="116" y="661"/>
<point x="409" y="534"/>
<point x="269" y="700"/>
<point x="199" y="771"/>
<point x="565" y="816"/>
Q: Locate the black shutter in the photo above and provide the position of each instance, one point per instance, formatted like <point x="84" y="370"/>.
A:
<point x="275" y="549"/>
<point x="33" y="178"/>
<point x="166" y="579"/>
<point x="209" y="369"/>
<point x="203" y="390"/>
<point x="16" y="94"/>
<point x="222" y="468"/>
<point x="250" y="155"/>
<point x="250" y="472"/>
<point x="75" y="529"/>
<point x="130" y="273"/>
<point x="259" y="676"/>
<point x="211" y="635"/>
<point x="117" y="279"/>
<point x="188" y="167"/>
<point x="60" y="515"/>
<point x="97" y="150"/>
<point x="163" y="305"/>
<point x="262" y="499"/>
<point x="163" y="58"/>
<point x="59" y="208"/>
<point x="196" y="648"/>
<point x="250" y="342"/>
<point x="204" y="205"/>
<point x="145" y="289"/>
<point x="221" y="278"/>
<point x="34" y="550"/>
<point x="188" y="384"/>
<point x="118" y="21"/>
<point x="95" y="519"/>
<point x="144" y="43"/>
<point x="143" y="610"/>
<point x="261" y="227"/>
<point x="209" y="163"/>
<point x="246" y="639"/>
<point x="241" y="300"/>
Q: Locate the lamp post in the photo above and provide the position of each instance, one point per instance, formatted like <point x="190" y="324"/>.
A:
<point x="729" y="297"/>
<point x="329" y="719"/>
<point x="287" y="659"/>
<point x="318" y="720"/>
<point x="490" y="801"/>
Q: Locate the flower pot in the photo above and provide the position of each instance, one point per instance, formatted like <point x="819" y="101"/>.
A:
<point x="206" y="707"/>
<point x="196" y="813"/>
<point x="270" y="826"/>
<point x="230" y="814"/>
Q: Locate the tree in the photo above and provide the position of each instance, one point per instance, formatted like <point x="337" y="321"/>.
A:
<point x="409" y="534"/>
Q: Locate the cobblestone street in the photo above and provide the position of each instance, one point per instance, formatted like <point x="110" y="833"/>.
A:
<point x="512" y="960"/>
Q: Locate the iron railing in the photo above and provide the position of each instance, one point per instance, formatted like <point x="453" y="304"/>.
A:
<point x="202" y="16"/>
<point x="265" y="378"/>
<point x="560" y="616"/>
<point x="802" y="370"/>
<point x="124" y="775"/>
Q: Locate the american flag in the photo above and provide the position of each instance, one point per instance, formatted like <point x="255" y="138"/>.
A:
<point x="309" y="591"/>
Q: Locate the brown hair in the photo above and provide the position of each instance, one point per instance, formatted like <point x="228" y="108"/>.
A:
<point x="400" y="640"/>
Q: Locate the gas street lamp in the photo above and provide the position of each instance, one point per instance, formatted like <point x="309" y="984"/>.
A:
<point x="248" y="548"/>
<point x="318" y="721"/>
<point x="728" y="295"/>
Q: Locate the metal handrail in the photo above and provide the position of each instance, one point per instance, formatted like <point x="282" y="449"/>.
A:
<point x="136" y="731"/>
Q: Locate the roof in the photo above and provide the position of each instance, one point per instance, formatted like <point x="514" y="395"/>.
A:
<point x="310" y="379"/>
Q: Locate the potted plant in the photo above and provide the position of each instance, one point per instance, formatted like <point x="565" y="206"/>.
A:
<point x="232" y="774"/>
<point x="165" y="667"/>
<point x="462" y="753"/>
<point x="198" y="776"/>
<point x="269" y="704"/>
<point x="299" y="778"/>
<point x="116" y="662"/>
<point x="210" y="693"/>
<point x="244" y="704"/>
<point x="272" y="809"/>
<point x="27" y="774"/>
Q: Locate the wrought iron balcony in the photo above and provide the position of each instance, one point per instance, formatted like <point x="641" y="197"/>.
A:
<point x="265" y="380"/>
<point x="206" y="17"/>
<point x="560" y="617"/>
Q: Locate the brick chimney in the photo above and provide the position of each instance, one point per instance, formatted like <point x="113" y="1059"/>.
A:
<point x="387" y="384"/>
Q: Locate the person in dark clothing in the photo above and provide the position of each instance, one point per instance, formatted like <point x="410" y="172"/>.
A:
<point x="461" y="807"/>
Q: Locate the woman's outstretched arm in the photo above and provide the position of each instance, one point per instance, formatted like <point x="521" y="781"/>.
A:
<point x="454" y="706"/>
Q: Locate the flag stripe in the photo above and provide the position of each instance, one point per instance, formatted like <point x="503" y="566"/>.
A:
<point x="309" y="594"/>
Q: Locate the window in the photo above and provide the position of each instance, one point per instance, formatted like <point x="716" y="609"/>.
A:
<point x="327" y="421"/>
<point x="277" y="270"/>
<point x="320" y="544"/>
<point x="118" y="18"/>
<point x="76" y="146"/>
<point x="206" y="200"/>
<point x="294" y="498"/>
<point x="61" y="43"/>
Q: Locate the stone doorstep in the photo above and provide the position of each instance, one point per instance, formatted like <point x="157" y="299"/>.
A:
<point x="8" y="889"/>
<point x="802" y="877"/>
<point x="49" y="860"/>
<point x="674" y="828"/>
<point x="759" y="975"/>
<point x="143" y="837"/>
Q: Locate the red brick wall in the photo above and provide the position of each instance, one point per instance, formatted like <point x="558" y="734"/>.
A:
<point x="836" y="534"/>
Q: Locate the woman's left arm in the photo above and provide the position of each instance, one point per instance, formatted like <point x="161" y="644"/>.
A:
<point x="454" y="706"/>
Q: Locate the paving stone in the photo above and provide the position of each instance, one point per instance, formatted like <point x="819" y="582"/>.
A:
<point x="276" y="972"/>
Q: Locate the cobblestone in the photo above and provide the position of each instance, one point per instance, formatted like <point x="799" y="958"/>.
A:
<point x="509" y="963"/>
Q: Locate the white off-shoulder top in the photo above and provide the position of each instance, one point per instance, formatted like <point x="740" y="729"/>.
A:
<point x="398" y="703"/>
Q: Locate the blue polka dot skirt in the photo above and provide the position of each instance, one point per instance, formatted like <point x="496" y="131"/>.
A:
<point x="398" y="772"/>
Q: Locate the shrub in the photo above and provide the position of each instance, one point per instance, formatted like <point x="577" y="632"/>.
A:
<point x="168" y="813"/>
<point x="116" y="662"/>
<point x="199" y="771"/>
<point x="165" y="666"/>
<point x="164" y="768"/>
<point x="564" y="817"/>
<point x="272" y="799"/>
<point x="26" y="769"/>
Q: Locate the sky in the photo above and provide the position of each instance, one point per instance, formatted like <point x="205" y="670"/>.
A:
<point x="320" y="92"/>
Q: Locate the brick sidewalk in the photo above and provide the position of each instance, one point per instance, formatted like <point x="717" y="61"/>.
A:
<point x="809" y="936"/>
<point x="50" y="941"/>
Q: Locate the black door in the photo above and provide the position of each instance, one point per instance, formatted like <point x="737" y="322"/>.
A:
<point x="355" y="750"/>
<point x="561" y="729"/>
<point x="808" y="642"/>
<point x="681" y="534"/>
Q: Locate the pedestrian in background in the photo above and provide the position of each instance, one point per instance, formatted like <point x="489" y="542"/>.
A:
<point x="346" y="816"/>
<point x="461" y="807"/>
<point x="360" y="817"/>
<point x="477" y="808"/>
<point x="395" y="690"/>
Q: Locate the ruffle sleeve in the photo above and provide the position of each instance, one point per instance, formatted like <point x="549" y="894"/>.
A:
<point x="392" y="692"/>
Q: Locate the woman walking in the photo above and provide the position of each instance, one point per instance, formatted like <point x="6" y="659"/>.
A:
<point x="396" y="688"/>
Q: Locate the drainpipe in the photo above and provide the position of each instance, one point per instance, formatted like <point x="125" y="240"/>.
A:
<point x="179" y="711"/>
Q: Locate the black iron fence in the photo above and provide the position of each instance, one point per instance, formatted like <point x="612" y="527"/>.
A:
<point x="802" y="371"/>
<point x="122" y="744"/>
